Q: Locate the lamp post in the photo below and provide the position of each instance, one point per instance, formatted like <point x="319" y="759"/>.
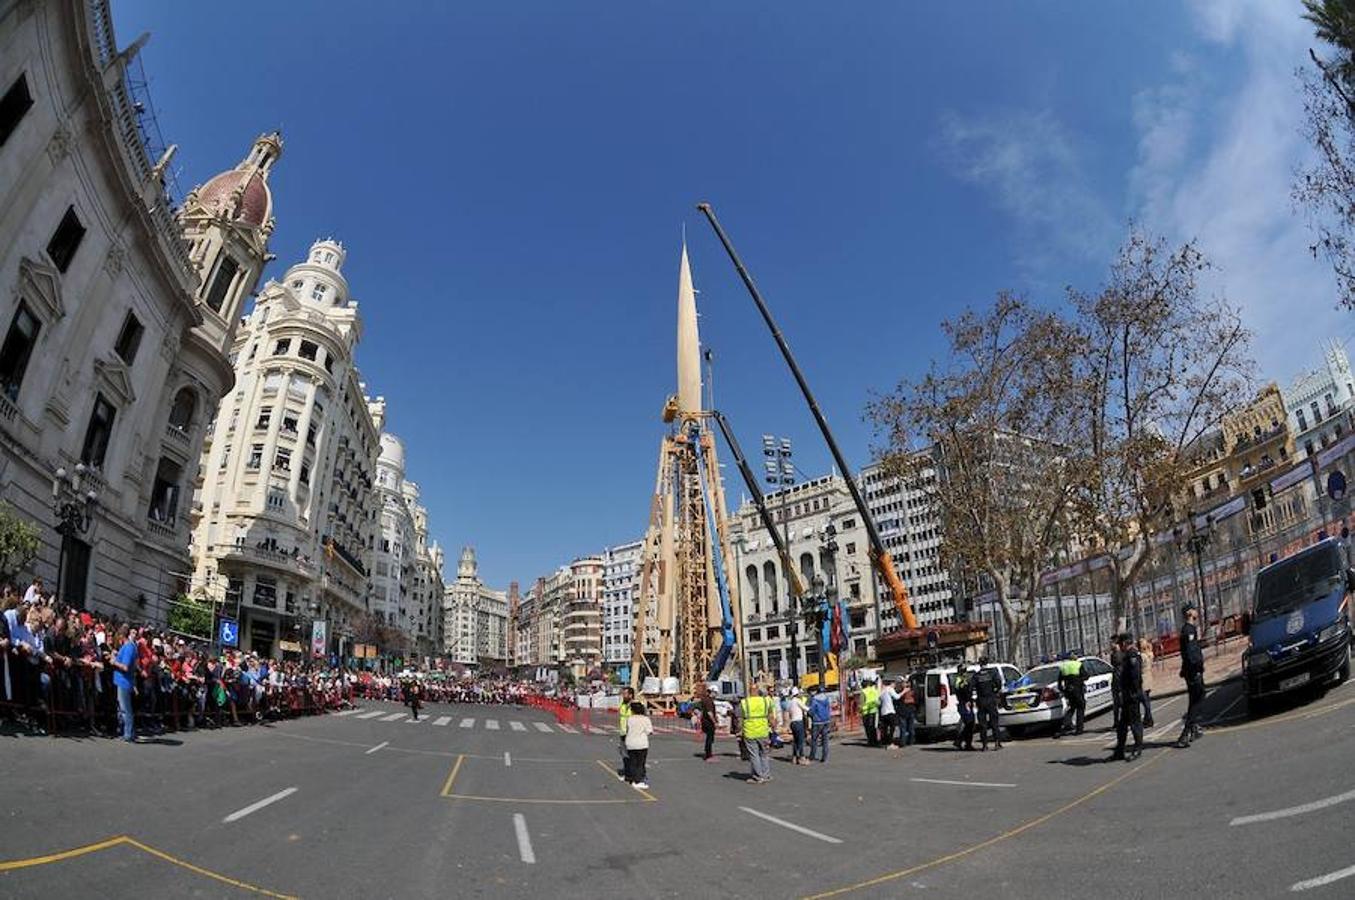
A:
<point x="1195" y="541"/>
<point x="74" y="510"/>
<point x="779" y="472"/>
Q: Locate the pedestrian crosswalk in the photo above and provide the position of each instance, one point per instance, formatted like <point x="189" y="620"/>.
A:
<point x="384" y="715"/>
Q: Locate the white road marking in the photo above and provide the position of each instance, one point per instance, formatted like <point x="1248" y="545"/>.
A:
<point x="378" y="747"/>
<point x="792" y="826"/>
<point x="542" y="726"/>
<point x="569" y="728"/>
<point x="1294" y="810"/>
<point x="492" y="724"/>
<point x="467" y="723"/>
<point x="255" y="807"/>
<point x="417" y="721"/>
<point x="371" y="715"/>
<point x="1170" y="726"/>
<point x="507" y="760"/>
<point x="517" y="726"/>
<point x="392" y="717"/>
<point x="348" y="712"/>
<point x="524" y="839"/>
<point x="1324" y="879"/>
<point x="962" y="783"/>
<point x="443" y="720"/>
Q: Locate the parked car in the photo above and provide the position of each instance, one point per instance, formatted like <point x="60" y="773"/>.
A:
<point x="1035" y="701"/>
<point x="938" y="712"/>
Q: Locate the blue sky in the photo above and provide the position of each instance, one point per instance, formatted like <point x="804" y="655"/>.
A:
<point x="511" y="181"/>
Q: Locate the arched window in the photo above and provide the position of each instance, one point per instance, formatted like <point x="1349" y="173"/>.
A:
<point x="772" y="590"/>
<point x="751" y="574"/>
<point x="807" y="567"/>
<point x="181" y="413"/>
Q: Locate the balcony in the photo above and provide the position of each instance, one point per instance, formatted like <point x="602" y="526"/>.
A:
<point x="179" y="437"/>
<point x="290" y="562"/>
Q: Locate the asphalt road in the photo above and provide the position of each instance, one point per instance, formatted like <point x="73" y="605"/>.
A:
<point x="364" y="805"/>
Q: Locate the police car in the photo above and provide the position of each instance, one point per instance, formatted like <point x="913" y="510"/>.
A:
<point x="1034" y="700"/>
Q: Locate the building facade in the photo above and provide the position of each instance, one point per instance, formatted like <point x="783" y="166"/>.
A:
<point x="581" y="617"/>
<point x="475" y="618"/>
<point x="287" y="514"/>
<point x="116" y="318"/>
<point x="1319" y="403"/>
<point x="802" y="513"/>
<point x="620" y="579"/>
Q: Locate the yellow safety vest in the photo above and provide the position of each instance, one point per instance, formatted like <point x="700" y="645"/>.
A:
<point x="757" y="717"/>
<point x="870" y="699"/>
<point x="624" y="716"/>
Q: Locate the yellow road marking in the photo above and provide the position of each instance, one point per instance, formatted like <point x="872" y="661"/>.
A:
<point x="125" y="840"/>
<point x="63" y="855"/>
<point x="456" y="767"/>
<point x="608" y="769"/>
<point x="951" y="857"/>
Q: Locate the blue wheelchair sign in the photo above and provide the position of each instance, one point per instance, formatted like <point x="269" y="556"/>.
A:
<point x="229" y="633"/>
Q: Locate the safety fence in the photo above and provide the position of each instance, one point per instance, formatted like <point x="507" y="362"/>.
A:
<point x="82" y="698"/>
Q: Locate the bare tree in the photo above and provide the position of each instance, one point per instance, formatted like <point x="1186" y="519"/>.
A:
<point x="1160" y="366"/>
<point x="1327" y="187"/>
<point x="983" y="440"/>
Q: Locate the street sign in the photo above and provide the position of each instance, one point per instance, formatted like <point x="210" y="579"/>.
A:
<point x="228" y="634"/>
<point x="318" y="638"/>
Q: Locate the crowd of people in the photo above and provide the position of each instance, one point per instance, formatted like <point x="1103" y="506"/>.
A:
<point x="75" y="671"/>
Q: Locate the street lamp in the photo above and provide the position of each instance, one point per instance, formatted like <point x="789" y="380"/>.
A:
<point x="779" y="472"/>
<point x="1195" y="541"/>
<point x="74" y="510"/>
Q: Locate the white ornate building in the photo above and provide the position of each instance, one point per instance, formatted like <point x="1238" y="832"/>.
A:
<point x="475" y="618"/>
<point x="1319" y="402"/>
<point x="287" y="514"/>
<point x="117" y="316"/>
<point x="407" y="586"/>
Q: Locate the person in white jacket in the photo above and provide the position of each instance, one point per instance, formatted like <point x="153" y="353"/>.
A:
<point x="638" y="730"/>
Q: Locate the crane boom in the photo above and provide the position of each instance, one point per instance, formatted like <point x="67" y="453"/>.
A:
<point x="879" y="556"/>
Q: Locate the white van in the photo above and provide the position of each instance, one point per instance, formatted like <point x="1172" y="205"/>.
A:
<point x="938" y="712"/>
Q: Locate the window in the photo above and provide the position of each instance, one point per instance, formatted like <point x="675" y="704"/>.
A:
<point x="265" y="417"/>
<point x="272" y="381"/>
<point x="266" y="592"/>
<point x="289" y="423"/>
<point x="165" y="492"/>
<point x="129" y="339"/>
<point x="305" y="474"/>
<point x="851" y="549"/>
<point x="66" y="240"/>
<point x="255" y="457"/>
<point x="253" y="349"/>
<point x="1317" y="413"/>
<point x="282" y="346"/>
<point x="307" y="350"/>
<point x="848" y="523"/>
<point x="275" y="499"/>
<point x="1303" y="421"/>
<point x="310" y="435"/>
<point x="225" y="458"/>
<point x="773" y="633"/>
<point x="329" y="363"/>
<point x="297" y="283"/>
<point x="329" y="257"/>
<point x="318" y="292"/>
<point x="282" y="462"/>
<point x="97" y="434"/>
<point x="221" y="282"/>
<point x="17" y="350"/>
<point x="181" y="413"/>
<point x="13" y="105"/>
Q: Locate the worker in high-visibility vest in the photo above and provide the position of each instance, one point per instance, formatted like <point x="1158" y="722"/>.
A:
<point x="759" y="719"/>
<point x="622" y="714"/>
<point x="1073" y="686"/>
<point x="870" y="712"/>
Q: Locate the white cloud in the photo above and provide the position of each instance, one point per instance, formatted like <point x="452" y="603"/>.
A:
<point x="1036" y="171"/>
<point x="1216" y="164"/>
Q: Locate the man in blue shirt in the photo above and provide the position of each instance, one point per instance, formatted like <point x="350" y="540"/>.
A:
<point x="124" y="679"/>
<point x="821" y="723"/>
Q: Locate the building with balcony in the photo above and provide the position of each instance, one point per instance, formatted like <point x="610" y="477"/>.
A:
<point x="287" y="516"/>
<point x="1320" y="402"/>
<point x="116" y="315"/>
<point x="801" y="514"/>
<point x="581" y="616"/>
<point x="1248" y="448"/>
<point x="475" y="618"/>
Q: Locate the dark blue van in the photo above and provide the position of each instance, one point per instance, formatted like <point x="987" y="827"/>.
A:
<point x="1299" y="622"/>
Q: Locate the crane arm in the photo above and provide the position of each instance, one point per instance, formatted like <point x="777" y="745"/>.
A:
<point x="879" y="556"/>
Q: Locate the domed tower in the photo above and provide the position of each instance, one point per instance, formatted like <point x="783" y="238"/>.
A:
<point x="467" y="567"/>
<point x="227" y="223"/>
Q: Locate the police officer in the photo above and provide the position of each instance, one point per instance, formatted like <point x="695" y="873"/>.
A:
<point x="870" y="712"/>
<point x="1192" y="670"/>
<point x="987" y="689"/>
<point x="1116" y="660"/>
<point x="1130" y="697"/>
<point x="1073" y="686"/>
<point x="964" y="697"/>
